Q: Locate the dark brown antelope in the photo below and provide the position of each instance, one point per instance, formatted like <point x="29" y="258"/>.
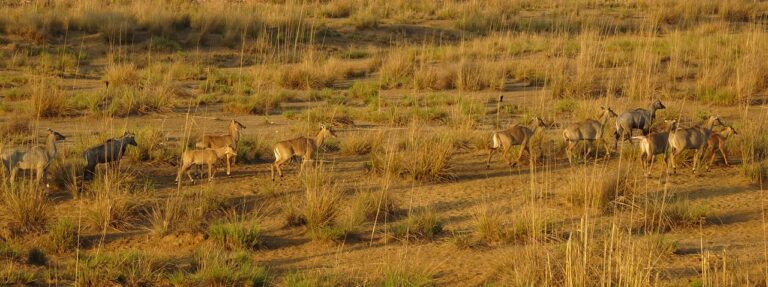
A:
<point x="636" y="119"/>
<point x="717" y="141"/>
<point x="37" y="158"/>
<point x="691" y="138"/>
<point x="303" y="147"/>
<point x="220" y="141"/>
<point x="208" y="157"/>
<point x="589" y="130"/>
<point x="515" y="135"/>
<point x="654" y="144"/>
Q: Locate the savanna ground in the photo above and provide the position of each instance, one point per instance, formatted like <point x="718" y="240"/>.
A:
<point x="402" y="197"/>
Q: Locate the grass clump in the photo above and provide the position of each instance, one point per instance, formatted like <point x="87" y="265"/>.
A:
<point x="663" y="214"/>
<point x="214" y="267"/>
<point x="422" y="157"/>
<point x="117" y="75"/>
<point x="25" y="207"/>
<point x="361" y="143"/>
<point x="253" y="149"/>
<point x="407" y="277"/>
<point x="48" y="101"/>
<point x="63" y="235"/>
<point x="311" y="279"/>
<point x="233" y="236"/>
<point x="605" y="193"/>
<point x="420" y="224"/>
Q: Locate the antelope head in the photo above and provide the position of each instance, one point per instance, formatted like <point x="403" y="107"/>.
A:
<point x="130" y="138"/>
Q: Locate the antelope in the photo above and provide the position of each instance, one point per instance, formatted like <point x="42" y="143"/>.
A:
<point x="589" y="130"/>
<point x="717" y="140"/>
<point x="636" y="119"/>
<point x="655" y="143"/>
<point x="691" y="138"/>
<point x="220" y="141"/>
<point x="37" y="158"/>
<point x="515" y="135"/>
<point x="209" y="156"/>
<point x="110" y="151"/>
<point x="303" y="147"/>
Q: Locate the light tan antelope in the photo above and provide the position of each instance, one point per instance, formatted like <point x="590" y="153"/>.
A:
<point x="515" y="135"/>
<point x="37" y="158"/>
<point x="655" y="143"/>
<point x="220" y="141"/>
<point x="209" y="156"/>
<point x="691" y="138"/>
<point x="303" y="147"/>
<point x="589" y="130"/>
<point x="717" y="140"/>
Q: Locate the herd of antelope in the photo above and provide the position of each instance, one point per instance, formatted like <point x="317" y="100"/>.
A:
<point x="212" y="149"/>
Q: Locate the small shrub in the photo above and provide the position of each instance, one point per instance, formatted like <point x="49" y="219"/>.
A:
<point x="63" y="235"/>
<point x="235" y="237"/>
<point x="419" y="225"/>
<point x="37" y="257"/>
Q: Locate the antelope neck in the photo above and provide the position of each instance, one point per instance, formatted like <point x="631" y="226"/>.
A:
<point x="319" y="138"/>
<point x="50" y="145"/>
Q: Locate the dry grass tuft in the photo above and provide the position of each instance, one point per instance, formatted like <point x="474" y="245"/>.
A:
<point x="604" y="191"/>
<point x="63" y="235"/>
<point x="25" y="207"/>
<point x="419" y="157"/>
<point x="421" y="224"/>
<point x="233" y="236"/>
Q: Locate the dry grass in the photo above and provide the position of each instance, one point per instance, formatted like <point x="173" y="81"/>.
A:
<point x="421" y="224"/>
<point x="25" y="207"/>
<point x="366" y="65"/>
<point x="603" y="191"/>
<point x="418" y="157"/>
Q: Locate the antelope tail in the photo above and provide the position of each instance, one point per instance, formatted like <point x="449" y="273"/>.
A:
<point x="496" y="140"/>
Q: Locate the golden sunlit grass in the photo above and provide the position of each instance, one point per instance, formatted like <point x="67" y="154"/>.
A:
<point x="413" y="88"/>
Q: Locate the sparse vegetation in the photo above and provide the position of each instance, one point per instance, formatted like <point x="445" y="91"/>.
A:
<point x="414" y="90"/>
